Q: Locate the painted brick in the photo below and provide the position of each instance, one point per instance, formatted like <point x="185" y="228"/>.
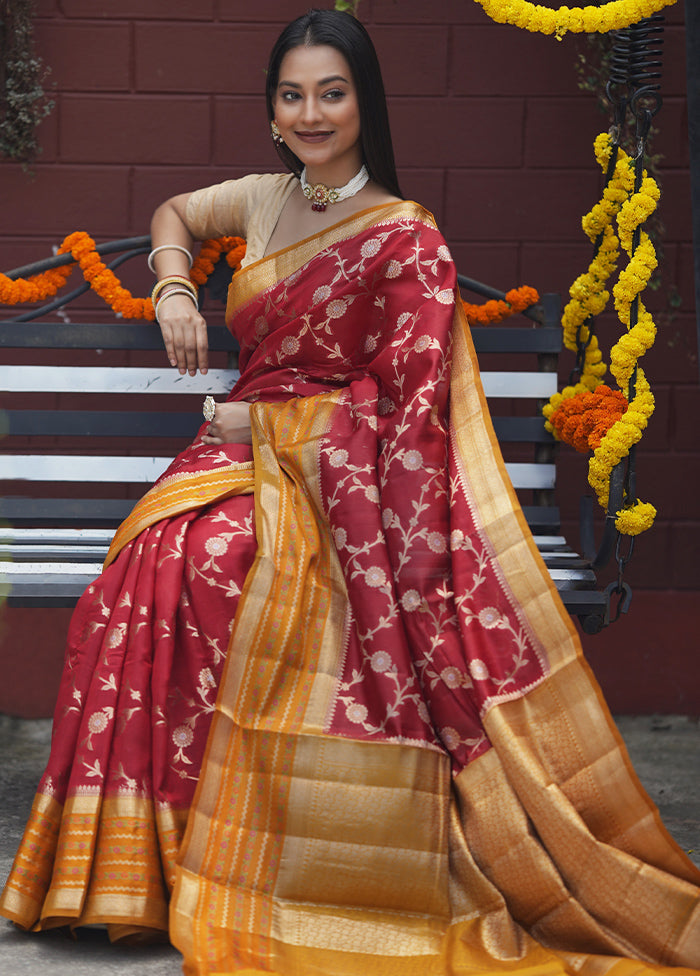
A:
<point x="674" y="356"/>
<point x="670" y="482"/>
<point x="686" y="403"/>
<point x="15" y="252"/>
<point x="425" y="186"/>
<point x="419" y="12"/>
<point x="280" y="11"/>
<point x="560" y="132"/>
<point x="242" y="134"/>
<point x="492" y="264"/>
<point x="413" y="60"/>
<point x="553" y="267"/>
<point x="685" y="274"/>
<point x="201" y="58"/>
<point x="536" y="64"/>
<point x="642" y="669"/>
<point x="60" y="199"/>
<point x="460" y="132"/>
<point x="657" y="436"/>
<point x="674" y="80"/>
<point x="672" y="140"/>
<point x="685" y="565"/>
<point x="139" y="9"/>
<point x="88" y="57"/>
<point x="519" y="205"/>
<point x="675" y="206"/>
<point x="135" y="129"/>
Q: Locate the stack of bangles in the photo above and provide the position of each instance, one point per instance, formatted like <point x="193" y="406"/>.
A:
<point x="183" y="285"/>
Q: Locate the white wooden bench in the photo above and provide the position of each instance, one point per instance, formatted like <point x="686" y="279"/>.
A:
<point x="82" y="442"/>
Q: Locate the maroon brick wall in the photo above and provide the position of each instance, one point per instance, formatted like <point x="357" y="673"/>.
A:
<point x="491" y="133"/>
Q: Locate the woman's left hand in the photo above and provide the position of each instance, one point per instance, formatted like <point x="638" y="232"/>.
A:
<point x="231" y="424"/>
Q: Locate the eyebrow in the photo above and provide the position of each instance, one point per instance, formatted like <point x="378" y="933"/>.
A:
<point x="323" y="81"/>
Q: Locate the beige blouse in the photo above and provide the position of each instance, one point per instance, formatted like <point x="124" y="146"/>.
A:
<point x="249" y="208"/>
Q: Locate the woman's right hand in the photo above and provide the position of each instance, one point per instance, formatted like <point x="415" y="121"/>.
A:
<point x="184" y="334"/>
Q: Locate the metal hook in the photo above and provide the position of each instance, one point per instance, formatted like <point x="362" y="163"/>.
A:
<point x="625" y="597"/>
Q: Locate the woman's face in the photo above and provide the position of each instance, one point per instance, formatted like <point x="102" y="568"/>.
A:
<point x="317" y="113"/>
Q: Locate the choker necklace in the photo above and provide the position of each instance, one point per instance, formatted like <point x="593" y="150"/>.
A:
<point x="321" y="195"/>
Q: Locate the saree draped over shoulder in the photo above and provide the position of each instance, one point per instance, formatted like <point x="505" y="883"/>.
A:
<point x="407" y="767"/>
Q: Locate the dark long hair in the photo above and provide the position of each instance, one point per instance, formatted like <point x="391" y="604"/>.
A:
<point x="347" y="35"/>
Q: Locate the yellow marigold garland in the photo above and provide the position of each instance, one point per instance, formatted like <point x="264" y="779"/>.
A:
<point x="610" y="16"/>
<point x="588" y="294"/>
<point x="493" y="311"/>
<point x="104" y="282"/>
<point x="589" y="297"/>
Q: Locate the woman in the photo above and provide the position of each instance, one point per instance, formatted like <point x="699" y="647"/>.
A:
<point x="409" y="768"/>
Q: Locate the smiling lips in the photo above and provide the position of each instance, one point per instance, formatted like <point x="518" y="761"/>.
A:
<point x="313" y="136"/>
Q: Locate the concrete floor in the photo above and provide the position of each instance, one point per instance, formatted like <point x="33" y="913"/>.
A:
<point x="665" y="751"/>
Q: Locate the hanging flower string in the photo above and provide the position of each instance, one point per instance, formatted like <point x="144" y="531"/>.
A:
<point x="613" y="15"/>
<point x="34" y="289"/>
<point x="104" y="282"/>
<point x="493" y="311"/>
<point x="614" y="425"/>
<point x="588" y="294"/>
<point x="625" y="354"/>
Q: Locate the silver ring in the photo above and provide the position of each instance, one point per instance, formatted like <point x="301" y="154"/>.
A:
<point x="209" y="408"/>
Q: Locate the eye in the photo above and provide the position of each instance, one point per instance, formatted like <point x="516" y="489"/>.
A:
<point x="334" y="94"/>
<point x="290" y="96"/>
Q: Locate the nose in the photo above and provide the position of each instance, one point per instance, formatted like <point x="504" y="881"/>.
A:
<point x="310" y="113"/>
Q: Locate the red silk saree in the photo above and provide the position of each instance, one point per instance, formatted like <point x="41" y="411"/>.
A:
<point x="409" y="768"/>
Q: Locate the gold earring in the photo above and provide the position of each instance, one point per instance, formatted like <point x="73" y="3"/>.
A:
<point x="276" y="134"/>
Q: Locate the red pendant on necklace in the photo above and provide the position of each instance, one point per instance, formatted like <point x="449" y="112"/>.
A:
<point x="318" y="207"/>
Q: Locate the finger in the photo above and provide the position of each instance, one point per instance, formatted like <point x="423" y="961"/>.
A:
<point x="196" y="346"/>
<point x="169" y="343"/>
<point x="203" y="347"/>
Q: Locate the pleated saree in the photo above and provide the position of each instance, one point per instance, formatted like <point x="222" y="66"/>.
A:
<point x="324" y="705"/>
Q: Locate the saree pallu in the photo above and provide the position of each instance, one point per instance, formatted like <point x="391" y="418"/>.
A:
<point x="409" y="768"/>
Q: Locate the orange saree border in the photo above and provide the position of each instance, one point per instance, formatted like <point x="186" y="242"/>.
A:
<point x="559" y="750"/>
<point x="288" y="633"/>
<point x="181" y="493"/>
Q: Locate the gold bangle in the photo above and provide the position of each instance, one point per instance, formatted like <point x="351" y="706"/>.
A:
<point x="175" y="291"/>
<point x="173" y="280"/>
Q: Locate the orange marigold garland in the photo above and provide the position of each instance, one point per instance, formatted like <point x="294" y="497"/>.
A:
<point x="584" y="419"/>
<point x="104" y="282"/>
<point x="210" y="252"/>
<point x="34" y="289"/>
<point x="493" y="311"/>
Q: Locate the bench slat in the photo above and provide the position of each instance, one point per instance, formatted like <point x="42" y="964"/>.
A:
<point x="145" y="335"/>
<point x="136" y="423"/>
<point x="50" y="584"/>
<point x="145" y="470"/>
<point x="113" y="379"/>
<point x="91" y="335"/>
<point x="22" y="555"/>
<point x="106" y="423"/>
<point x="137" y="379"/>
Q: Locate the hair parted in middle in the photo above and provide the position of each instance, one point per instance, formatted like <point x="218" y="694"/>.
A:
<point x="348" y="36"/>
